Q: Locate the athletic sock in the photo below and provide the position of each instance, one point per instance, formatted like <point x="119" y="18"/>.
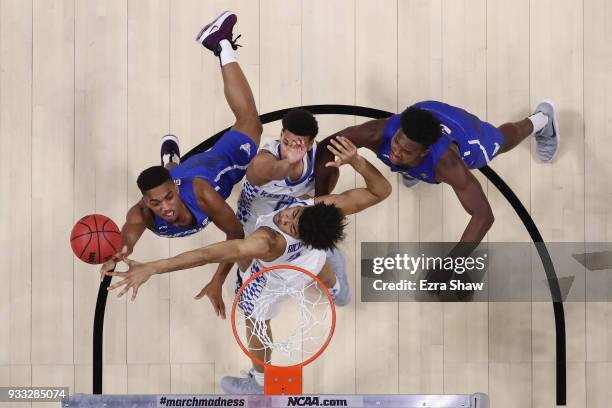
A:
<point x="227" y="53"/>
<point x="170" y="158"/>
<point x="539" y="121"/>
<point x="259" y="377"/>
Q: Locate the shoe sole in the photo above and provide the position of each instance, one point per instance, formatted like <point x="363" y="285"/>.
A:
<point x="555" y="126"/>
<point x="169" y="137"/>
<point x="164" y="139"/>
<point x="219" y="20"/>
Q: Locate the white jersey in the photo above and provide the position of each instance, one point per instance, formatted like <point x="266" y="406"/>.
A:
<point x="255" y="201"/>
<point x="296" y="254"/>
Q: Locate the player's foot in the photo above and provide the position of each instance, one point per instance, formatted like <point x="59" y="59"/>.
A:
<point x="169" y="152"/>
<point x="409" y="181"/>
<point x="219" y="29"/>
<point x="241" y="385"/>
<point x="342" y="296"/>
<point x="547" y="139"/>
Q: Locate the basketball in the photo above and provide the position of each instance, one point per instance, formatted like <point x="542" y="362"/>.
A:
<point x="95" y="239"/>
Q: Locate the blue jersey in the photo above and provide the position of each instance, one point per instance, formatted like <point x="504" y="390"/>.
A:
<point x="222" y="166"/>
<point x="478" y="141"/>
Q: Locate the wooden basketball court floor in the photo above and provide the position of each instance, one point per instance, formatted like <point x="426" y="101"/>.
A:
<point x="88" y="87"/>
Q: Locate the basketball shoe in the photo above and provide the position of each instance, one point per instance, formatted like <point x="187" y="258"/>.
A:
<point x="547" y="139"/>
<point x="219" y="29"/>
<point x="169" y="150"/>
<point x="241" y="385"/>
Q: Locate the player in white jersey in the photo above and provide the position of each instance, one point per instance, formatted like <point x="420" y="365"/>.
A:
<point x="296" y="253"/>
<point x="290" y="235"/>
<point x="281" y="170"/>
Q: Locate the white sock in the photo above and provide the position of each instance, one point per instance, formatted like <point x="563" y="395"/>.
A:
<point x="227" y="53"/>
<point x="539" y="121"/>
<point x="259" y="377"/>
<point x="170" y="158"/>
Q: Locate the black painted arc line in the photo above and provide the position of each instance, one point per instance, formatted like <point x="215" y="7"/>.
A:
<point x="278" y="115"/>
<point x="98" y="334"/>
<point x="551" y="276"/>
<point x="487" y="171"/>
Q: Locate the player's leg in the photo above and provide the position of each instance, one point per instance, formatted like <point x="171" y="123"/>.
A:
<point x="256" y="346"/>
<point x="327" y="275"/>
<point x="333" y="275"/>
<point x="217" y="36"/>
<point x="514" y="133"/>
<point x="543" y="122"/>
<point x="241" y="101"/>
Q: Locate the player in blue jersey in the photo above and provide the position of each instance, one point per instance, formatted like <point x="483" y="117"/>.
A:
<point x="438" y="143"/>
<point x="182" y="199"/>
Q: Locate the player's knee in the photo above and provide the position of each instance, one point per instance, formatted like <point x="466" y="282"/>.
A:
<point x="250" y="124"/>
<point x="258" y="125"/>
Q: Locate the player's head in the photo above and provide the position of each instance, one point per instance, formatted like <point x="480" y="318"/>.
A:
<point x="320" y="226"/>
<point x="298" y="124"/>
<point x="419" y="130"/>
<point x="159" y="193"/>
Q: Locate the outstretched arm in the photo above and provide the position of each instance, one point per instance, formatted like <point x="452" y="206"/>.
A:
<point x="357" y="199"/>
<point x="258" y="245"/>
<point x="368" y="134"/>
<point x="135" y="224"/>
<point x="453" y="171"/>
<point x="222" y="215"/>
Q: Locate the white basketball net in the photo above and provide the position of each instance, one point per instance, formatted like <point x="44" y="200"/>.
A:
<point x="296" y="304"/>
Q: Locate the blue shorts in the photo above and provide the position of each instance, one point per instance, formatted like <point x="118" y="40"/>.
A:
<point x="223" y="165"/>
<point x="490" y="141"/>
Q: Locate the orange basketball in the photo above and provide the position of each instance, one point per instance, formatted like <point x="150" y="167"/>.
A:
<point x="95" y="239"/>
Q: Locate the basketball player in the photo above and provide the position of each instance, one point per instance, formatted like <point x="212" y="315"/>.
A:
<point x="182" y="199"/>
<point x="297" y="234"/>
<point x="439" y="143"/>
<point x="282" y="171"/>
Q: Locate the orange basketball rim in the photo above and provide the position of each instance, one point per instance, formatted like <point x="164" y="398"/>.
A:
<point x="279" y="380"/>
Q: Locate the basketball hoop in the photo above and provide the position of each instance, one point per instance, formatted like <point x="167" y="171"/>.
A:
<point x="316" y="308"/>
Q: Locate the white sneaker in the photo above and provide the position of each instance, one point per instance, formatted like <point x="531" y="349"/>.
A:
<point x="169" y="150"/>
<point x="241" y="385"/>
<point x="547" y="139"/>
